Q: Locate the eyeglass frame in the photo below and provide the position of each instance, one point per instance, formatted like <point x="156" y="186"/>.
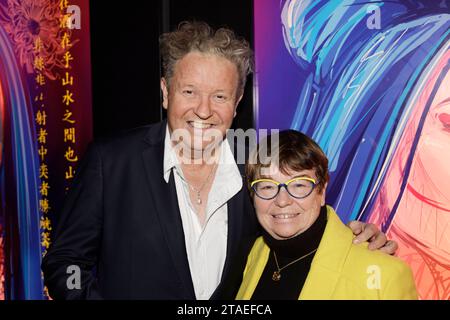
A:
<point x="285" y="185"/>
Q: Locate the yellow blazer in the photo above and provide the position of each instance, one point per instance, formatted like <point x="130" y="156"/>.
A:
<point x="340" y="269"/>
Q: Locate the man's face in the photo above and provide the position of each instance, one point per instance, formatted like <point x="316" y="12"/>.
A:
<point x="201" y="98"/>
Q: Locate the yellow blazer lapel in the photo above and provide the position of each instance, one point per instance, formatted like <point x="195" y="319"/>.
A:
<point x="257" y="261"/>
<point x="328" y="261"/>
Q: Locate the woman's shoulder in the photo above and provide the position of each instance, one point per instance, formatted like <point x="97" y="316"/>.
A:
<point x="372" y="271"/>
<point x="360" y="254"/>
<point x="375" y="270"/>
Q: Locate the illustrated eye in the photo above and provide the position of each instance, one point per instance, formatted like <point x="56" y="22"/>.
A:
<point x="444" y="118"/>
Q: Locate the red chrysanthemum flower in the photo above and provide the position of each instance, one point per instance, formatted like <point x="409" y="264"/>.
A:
<point x="30" y="21"/>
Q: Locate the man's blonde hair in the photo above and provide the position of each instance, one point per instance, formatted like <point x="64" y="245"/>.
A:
<point x="200" y="37"/>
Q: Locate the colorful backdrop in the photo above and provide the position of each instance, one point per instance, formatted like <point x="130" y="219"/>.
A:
<point x="45" y="125"/>
<point x="369" y="81"/>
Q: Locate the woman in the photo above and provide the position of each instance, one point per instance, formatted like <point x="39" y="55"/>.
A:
<point x="377" y="102"/>
<point x="412" y="203"/>
<point x="305" y="251"/>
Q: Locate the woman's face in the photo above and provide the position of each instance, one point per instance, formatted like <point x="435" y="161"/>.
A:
<point x="427" y="211"/>
<point x="431" y="174"/>
<point x="285" y="217"/>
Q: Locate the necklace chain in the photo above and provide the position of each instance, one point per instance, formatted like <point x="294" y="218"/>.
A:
<point x="199" y="200"/>
<point x="277" y="274"/>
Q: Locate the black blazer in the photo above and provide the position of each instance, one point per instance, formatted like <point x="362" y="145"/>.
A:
<point x="121" y="226"/>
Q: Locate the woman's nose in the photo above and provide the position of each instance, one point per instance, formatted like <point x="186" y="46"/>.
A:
<point x="283" y="198"/>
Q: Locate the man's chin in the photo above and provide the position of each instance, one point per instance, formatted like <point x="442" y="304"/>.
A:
<point x="205" y="151"/>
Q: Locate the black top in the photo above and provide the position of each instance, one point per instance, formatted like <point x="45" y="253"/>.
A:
<point x="292" y="277"/>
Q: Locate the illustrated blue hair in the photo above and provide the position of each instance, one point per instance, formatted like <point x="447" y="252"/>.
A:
<point x="359" y="82"/>
<point x="20" y="187"/>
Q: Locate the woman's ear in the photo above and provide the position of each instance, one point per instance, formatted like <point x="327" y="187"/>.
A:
<point x="323" y="196"/>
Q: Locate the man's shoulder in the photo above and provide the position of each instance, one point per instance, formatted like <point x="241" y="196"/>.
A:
<point x="132" y="138"/>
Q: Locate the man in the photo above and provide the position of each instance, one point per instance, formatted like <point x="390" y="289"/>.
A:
<point x="160" y="212"/>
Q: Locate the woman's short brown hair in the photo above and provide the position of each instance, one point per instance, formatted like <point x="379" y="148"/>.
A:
<point x="200" y="37"/>
<point x="296" y="152"/>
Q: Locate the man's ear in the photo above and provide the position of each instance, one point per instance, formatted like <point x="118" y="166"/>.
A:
<point x="324" y="191"/>
<point x="165" y="93"/>
<point x="236" y="106"/>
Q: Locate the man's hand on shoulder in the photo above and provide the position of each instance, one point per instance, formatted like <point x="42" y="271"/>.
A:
<point x="370" y="232"/>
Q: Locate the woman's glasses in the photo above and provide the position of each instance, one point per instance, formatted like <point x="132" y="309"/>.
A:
<point x="298" y="188"/>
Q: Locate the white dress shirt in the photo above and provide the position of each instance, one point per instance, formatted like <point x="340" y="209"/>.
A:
<point x="206" y="246"/>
